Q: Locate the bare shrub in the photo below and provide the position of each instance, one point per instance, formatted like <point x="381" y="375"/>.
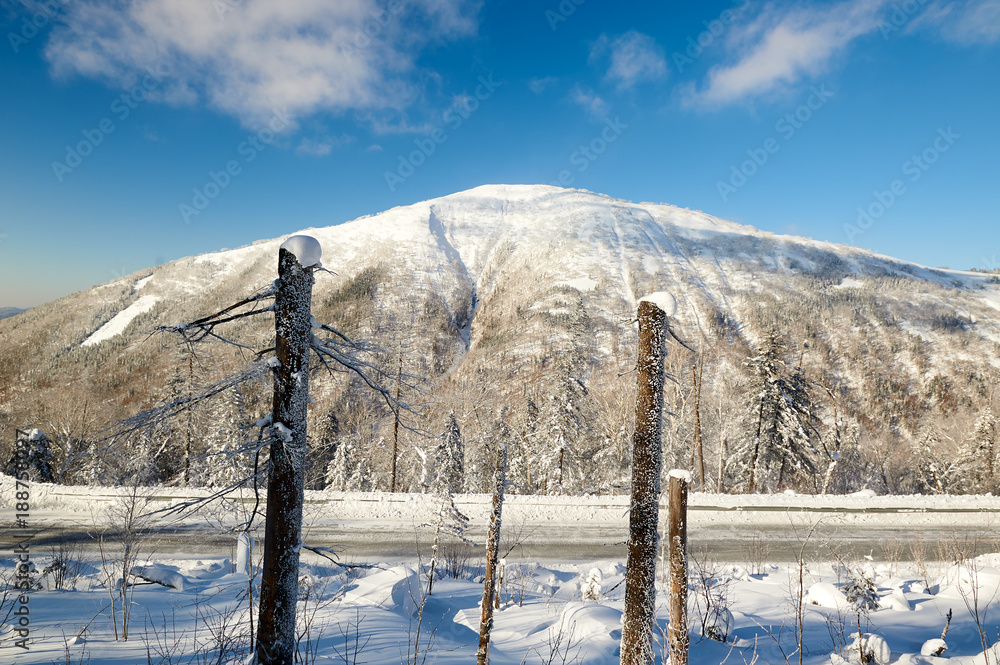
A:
<point x="758" y="551"/>
<point x="457" y="560"/>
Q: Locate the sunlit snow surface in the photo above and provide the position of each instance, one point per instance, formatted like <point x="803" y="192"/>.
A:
<point x="117" y="325"/>
<point x="542" y="604"/>
<point x="306" y="249"/>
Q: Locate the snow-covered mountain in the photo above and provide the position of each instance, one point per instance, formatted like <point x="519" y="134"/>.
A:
<point x="500" y="279"/>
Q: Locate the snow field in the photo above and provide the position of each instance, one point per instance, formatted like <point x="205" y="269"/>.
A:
<point x="548" y="614"/>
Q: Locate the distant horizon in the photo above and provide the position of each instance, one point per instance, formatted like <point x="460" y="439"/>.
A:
<point x="124" y="146"/>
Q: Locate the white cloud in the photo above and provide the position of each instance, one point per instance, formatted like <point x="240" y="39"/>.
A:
<point x="966" y="23"/>
<point x="591" y="101"/>
<point x="249" y="57"/>
<point x="538" y="85"/>
<point x="635" y="57"/>
<point x="316" y="147"/>
<point x="779" y="48"/>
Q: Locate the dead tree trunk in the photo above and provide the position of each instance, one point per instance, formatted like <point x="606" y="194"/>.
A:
<point x="492" y="553"/>
<point x="395" y="423"/>
<point x="283" y="523"/>
<point x="677" y="634"/>
<point x="696" y="379"/>
<point x="647" y="462"/>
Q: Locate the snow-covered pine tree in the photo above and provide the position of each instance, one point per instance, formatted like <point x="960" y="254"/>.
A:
<point x="493" y="437"/>
<point x="777" y="439"/>
<point x="934" y="473"/>
<point x="323" y="445"/>
<point x="347" y="471"/>
<point x="520" y="453"/>
<point x="861" y="592"/>
<point x="560" y="430"/>
<point x="976" y="464"/>
<point x="449" y="458"/>
<point x="227" y="455"/>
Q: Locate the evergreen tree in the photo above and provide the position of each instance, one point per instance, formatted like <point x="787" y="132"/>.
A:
<point x="228" y="457"/>
<point x="934" y="473"/>
<point x="977" y="459"/>
<point x="560" y="432"/>
<point x="777" y="441"/>
<point x="348" y="471"/>
<point x="449" y="458"/>
<point x="497" y="435"/>
<point x="322" y="450"/>
<point x="521" y="452"/>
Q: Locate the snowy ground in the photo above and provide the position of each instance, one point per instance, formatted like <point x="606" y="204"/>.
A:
<point x="543" y="617"/>
<point x="554" y="610"/>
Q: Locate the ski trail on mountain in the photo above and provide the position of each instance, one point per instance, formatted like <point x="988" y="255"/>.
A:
<point x="623" y="266"/>
<point x="688" y="269"/>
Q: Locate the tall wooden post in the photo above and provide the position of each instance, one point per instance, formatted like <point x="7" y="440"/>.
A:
<point x="647" y="462"/>
<point x="492" y="553"/>
<point x="286" y="472"/>
<point x="677" y="634"/>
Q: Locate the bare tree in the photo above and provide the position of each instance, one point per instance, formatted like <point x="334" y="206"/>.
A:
<point x="283" y="431"/>
<point x="647" y="461"/>
<point x="492" y="553"/>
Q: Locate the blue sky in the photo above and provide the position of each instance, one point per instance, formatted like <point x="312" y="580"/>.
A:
<point x="133" y="132"/>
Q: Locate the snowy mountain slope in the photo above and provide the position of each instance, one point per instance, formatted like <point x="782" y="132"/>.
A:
<point x="508" y="276"/>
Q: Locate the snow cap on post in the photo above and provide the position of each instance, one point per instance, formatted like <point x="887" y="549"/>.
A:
<point x="680" y="474"/>
<point x="306" y="249"/>
<point x="665" y="301"/>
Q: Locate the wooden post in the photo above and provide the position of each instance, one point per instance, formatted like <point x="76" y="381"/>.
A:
<point x="677" y="634"/>
<point x="286" y="472"/>
<point x="492" y="553"/>
<point x="647" y="462"/>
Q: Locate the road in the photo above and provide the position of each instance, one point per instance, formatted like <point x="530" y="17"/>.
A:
<point x="725" y="529"/>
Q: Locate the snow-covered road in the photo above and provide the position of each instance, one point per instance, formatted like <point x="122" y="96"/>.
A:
<point x="726" y="527"/>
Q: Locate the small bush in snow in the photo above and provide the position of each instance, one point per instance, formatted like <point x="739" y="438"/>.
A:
<point x="869" y="649"/>
<point x="861" y="593"/>
<point x="591" y="589"/>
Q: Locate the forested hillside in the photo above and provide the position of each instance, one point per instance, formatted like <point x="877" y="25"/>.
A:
<point x="812" y="366"/>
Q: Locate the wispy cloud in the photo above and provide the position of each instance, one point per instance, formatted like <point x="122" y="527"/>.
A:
<point x="321" y="147"/>
<point x="778" y="48"/>
<point x="539" y="85"/>
<point x="589" y="100"/>
<point x="968" y="23"/>
<point x="634" y="57"/>
<point x="248" y="57"/>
